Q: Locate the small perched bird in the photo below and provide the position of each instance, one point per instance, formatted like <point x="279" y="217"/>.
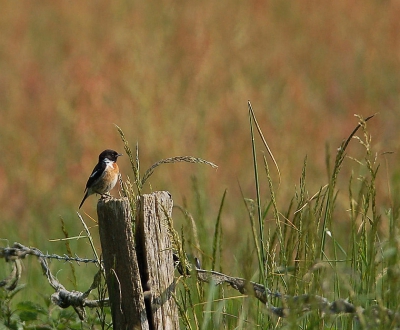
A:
<point x="104" y="175"/>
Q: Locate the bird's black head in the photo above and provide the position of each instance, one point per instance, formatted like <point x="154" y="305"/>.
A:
<point x="109" y="154"/>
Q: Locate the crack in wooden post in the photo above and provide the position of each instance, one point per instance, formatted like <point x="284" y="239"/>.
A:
<point x="121" y="265"/>
<point x="140" y="277"/>
<point x="155" y="258"/>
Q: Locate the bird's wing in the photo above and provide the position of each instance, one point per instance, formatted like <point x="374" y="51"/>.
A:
<point x="97" y="173"/>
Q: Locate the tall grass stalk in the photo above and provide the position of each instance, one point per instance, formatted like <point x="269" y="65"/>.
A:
<point x="332" y="184"/>
<point x="260" y="245"/>
<point x="134" y="160"/>
<point x="217" y="240"/>
<point x="303" y="252"/>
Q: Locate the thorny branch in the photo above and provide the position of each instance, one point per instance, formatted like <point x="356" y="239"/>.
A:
<point x="61" y="297"/>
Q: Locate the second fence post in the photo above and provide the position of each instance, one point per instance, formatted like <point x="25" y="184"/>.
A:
<point x="155" y="257"/>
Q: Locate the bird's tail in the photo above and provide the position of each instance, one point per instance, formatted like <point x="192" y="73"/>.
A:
<point x="84" y="198"/>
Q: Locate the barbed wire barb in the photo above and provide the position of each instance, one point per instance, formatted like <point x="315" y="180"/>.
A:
<point x="62" y="297"/>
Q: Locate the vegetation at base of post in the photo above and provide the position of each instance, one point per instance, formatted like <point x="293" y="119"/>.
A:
<point x="306" y="259"/>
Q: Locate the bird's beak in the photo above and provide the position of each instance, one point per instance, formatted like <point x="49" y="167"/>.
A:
<point x="120" y="155"/>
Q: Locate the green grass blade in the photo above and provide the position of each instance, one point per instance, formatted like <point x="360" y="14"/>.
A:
<point x="261" y="249"/>
<point x="217" y="233"/>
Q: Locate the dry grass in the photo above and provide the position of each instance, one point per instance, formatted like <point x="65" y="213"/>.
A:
<point x="176" y="77"/>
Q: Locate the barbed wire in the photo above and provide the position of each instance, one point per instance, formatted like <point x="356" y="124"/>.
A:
<point x="62" y="297"/>
<point x="374" y="315"/>
<point x="79" y="300"/>
<point x="19" y="251"/>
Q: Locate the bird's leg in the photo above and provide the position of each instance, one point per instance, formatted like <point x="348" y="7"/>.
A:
<point x="105" y="195"/>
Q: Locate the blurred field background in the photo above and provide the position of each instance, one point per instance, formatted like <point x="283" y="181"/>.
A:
<point x="176" y="77"/>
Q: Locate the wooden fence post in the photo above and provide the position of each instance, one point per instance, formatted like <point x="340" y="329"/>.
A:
<point x="144" y="265"/>
<point x="121" y="266"/>
<point x="155" y="258"/>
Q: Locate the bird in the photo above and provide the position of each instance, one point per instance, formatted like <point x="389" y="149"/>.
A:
<point x="104" y="175"/>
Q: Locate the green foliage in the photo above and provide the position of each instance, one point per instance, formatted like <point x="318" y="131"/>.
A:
<point x="29" y="314"/>
<point x="176" y="76"/>
<point x="306" y="254"/>
<point x="333" y="244"/>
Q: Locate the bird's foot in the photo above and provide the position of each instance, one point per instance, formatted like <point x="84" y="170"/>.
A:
<point x="105" y="196"/>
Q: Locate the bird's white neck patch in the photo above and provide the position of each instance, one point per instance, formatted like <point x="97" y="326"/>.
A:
<point x="107" y="161"/>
